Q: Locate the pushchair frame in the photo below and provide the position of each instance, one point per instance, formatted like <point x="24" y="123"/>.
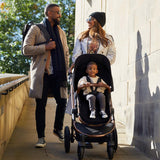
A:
<point x="82" y="131"/>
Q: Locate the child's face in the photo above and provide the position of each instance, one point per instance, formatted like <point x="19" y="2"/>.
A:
<point x="92" y="70"/>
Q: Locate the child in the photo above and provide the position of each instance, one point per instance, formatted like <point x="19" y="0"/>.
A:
<point x="93" y="88"/>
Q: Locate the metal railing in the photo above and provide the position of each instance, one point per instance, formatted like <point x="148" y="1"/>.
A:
<point x="10" y="86"/>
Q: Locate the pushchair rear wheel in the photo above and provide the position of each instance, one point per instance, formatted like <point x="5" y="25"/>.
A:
<point x="115" y="139"/>
<point x="110" y="150"/>
<point x="80" y="152"/>
<point x="67" y="139"/>
<point x="111" y="145"/>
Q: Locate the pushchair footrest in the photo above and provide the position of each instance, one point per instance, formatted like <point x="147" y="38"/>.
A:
<point x="94" y="131"/>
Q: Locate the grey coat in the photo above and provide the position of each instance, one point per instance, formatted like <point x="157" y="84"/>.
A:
<point x="39" y="57"/>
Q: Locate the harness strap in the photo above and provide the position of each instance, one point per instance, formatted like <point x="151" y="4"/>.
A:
<point x="89" y="80"/>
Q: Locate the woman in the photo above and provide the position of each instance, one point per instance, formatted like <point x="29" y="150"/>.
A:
<point x="95" y="39"/>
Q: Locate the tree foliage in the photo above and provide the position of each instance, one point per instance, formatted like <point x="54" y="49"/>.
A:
<point x="14" y="14"/>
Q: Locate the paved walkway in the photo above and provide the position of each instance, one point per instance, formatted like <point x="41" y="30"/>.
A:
<point x="21" y="145"/>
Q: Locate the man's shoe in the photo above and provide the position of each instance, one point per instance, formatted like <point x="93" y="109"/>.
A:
<point x="59" y="134"/>
<point x="41" y="143"/>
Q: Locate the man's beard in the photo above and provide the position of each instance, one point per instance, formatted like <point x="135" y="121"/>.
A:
<point x="56" y="22"/>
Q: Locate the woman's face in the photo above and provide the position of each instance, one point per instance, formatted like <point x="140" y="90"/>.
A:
<point x="90" y="22"/>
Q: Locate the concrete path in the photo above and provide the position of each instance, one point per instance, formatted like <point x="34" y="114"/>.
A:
<point x="21" y="145"/>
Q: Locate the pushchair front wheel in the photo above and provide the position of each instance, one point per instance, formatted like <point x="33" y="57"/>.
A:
<point x="110" y="151"/>
<point x="67" y="138"/>
<point x="80" y="152"/>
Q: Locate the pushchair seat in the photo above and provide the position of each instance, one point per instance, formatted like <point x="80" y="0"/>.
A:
<point x="87" y="129"/>
<point x="85" y="112"/>
<point x="104" y="71"/>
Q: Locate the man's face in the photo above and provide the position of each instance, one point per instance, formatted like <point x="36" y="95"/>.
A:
<point x="55" y="15"/>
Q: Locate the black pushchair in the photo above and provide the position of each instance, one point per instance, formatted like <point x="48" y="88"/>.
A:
<point x="84" y="129"/>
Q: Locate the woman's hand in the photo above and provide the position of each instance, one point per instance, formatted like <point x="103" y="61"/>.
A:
<point x="70" y="69"/>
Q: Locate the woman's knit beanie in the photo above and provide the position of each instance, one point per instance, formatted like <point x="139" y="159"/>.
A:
<point x="100" y="17"/>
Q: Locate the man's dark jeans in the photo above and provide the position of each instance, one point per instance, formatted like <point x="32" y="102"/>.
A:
<point x="49" y="82"/>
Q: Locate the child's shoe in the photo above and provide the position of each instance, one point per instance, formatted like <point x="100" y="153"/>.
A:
<point x="93" y="114"/>
<point x="103" y="114"/>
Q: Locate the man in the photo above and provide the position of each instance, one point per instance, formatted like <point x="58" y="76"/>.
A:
<point x="48" y="69"/>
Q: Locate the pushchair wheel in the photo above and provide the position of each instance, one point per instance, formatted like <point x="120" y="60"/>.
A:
<point x="110" y="151"/>
<point x="111" y="146"/>
<point x="115" y="139"/>
<point x="80" y="152"/>
<point x="67" y="139"/>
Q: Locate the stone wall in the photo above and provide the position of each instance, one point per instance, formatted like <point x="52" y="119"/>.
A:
<point x="11" y="106"/>
<point x="134" y="25"/>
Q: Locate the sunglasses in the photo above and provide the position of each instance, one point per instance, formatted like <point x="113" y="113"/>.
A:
<point x="89" y="19"/>
<point x="58" y="12"/>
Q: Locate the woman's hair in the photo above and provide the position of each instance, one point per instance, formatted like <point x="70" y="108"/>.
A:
<point x="96" y="32"/>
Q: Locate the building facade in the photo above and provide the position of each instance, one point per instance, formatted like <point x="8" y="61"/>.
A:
<point x="134" y="25"/>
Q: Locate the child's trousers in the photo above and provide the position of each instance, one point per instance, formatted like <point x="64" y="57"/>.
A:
<point x="100" y="97"/>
